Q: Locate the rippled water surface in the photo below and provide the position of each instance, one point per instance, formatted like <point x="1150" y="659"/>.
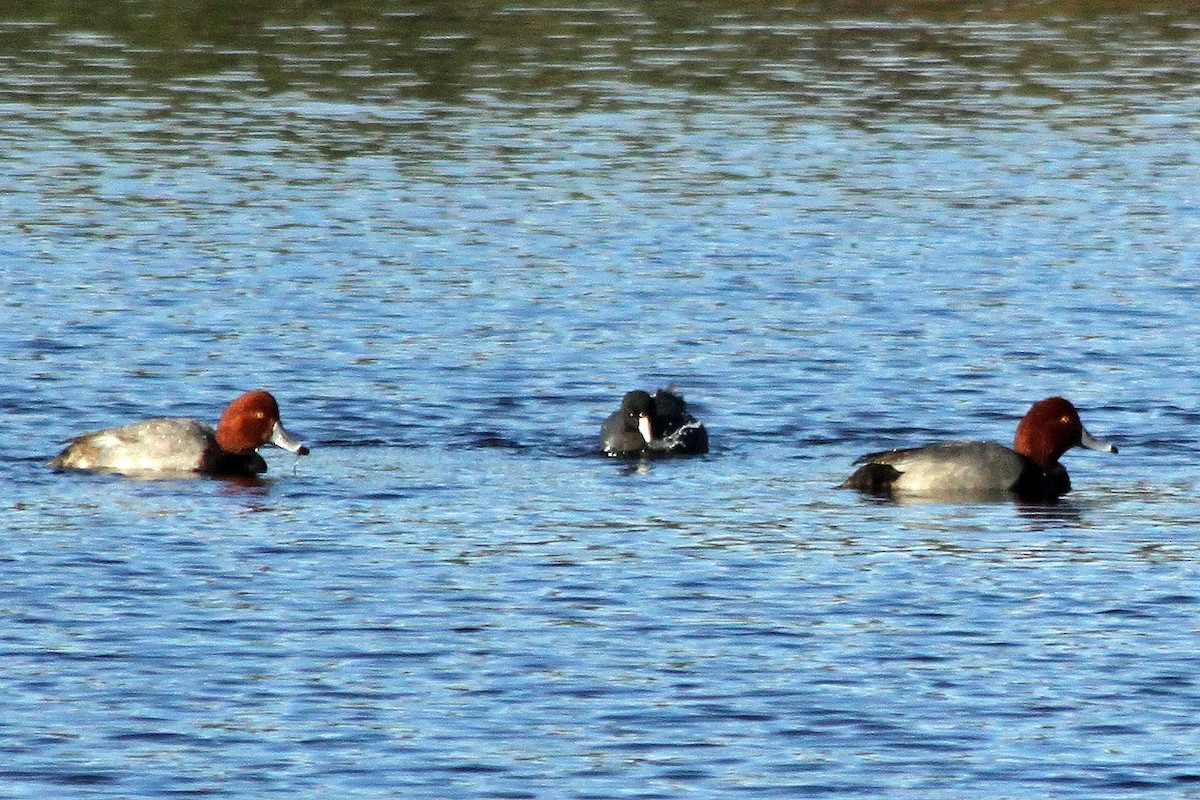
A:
<point x="448" y="237"/>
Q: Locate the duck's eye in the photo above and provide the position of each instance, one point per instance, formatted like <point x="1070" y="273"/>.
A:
<point x="1066" y="419"/>
<point x="259" y="414"/>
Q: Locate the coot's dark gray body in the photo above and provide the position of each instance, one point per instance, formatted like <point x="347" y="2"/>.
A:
<point x="657" y="424"/>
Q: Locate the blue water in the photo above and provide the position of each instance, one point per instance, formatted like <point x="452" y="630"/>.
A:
<point x="834" y="234"/>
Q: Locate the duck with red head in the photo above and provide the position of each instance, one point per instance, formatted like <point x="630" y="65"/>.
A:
<point x="172" y="445"/>
<point x="984" y="470"/>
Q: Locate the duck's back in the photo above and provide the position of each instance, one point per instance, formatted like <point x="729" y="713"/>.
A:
<point x="166" y="444"/>
<point x="939" y="469"/>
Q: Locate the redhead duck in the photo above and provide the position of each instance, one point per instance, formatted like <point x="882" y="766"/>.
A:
<point x="657" y="424"/>
<point x="1030" y="470"/>
<point x="178" y="444"/>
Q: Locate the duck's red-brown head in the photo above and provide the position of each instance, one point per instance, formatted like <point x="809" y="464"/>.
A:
<point x="251" y="421"/>
<point x="1050" y="428"/>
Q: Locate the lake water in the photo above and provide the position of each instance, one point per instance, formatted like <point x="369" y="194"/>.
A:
<point x="449" y="237"/>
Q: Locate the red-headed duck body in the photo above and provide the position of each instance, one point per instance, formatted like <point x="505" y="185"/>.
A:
<point x="979" y="470"/>
<point x="179" y="445"/>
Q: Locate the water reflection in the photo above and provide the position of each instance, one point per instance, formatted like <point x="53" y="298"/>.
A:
<point x="926" y="59"/>
<point x="1061" y="513"/>
<point x="243" y="485"/>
